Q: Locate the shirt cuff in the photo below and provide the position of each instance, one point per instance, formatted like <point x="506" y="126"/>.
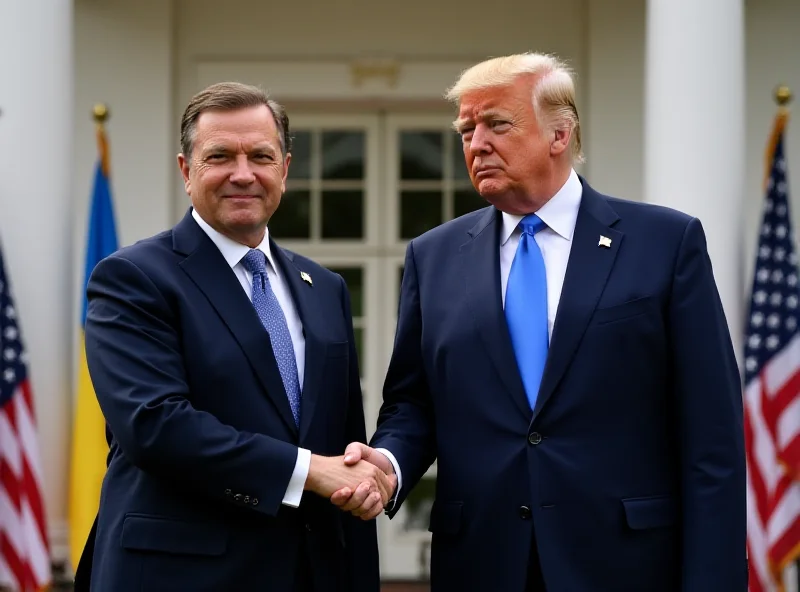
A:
<point x="294" y="492"/>
<point x="397" y="472"/>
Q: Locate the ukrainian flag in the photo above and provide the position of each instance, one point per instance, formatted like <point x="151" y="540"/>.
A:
<point x="89" y="447"/>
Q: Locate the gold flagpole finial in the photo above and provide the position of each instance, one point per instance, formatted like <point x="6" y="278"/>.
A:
<point x="100" y="113"/>
<point x="783" y="96"/>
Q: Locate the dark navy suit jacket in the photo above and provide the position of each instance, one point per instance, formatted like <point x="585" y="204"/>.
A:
<point x="203" y="442"/>
<point x="629" y="474"/>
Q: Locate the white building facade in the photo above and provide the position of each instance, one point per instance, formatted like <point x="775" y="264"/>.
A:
<point x="675" y="98"/>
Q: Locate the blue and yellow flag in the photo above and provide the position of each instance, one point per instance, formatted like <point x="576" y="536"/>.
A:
<point x="89" y="447"/>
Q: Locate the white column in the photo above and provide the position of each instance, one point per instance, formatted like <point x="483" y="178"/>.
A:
<point x="36" y="218"/>
<point x="694" y="128"/>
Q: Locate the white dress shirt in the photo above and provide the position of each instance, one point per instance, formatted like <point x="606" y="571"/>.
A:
<point x="555" y="242"/>
<point x="233" y="253"/>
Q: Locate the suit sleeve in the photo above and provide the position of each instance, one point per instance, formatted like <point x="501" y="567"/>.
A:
<point x="406" y="425"/>
<point x="133" y="350"/>
<point x="710" y="430"/>
<point x="361" y="535"/>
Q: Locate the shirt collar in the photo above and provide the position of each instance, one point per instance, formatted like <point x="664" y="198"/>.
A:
<point x="559" y="213"/>
<point x="232" y="251"/>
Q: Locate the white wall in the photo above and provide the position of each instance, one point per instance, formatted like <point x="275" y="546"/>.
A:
<point x="123" y="58"/>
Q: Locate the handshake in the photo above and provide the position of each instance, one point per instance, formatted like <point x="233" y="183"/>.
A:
<point x="361" y="482"/>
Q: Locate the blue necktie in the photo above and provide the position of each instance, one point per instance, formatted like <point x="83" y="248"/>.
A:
<point x="271" y="314"/>
<point x="526" y="307"/>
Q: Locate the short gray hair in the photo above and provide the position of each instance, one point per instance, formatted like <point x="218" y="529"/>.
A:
<point x="231" y="96"/>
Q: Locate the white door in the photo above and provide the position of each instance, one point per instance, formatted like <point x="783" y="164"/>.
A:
<point x="360" y="187"/>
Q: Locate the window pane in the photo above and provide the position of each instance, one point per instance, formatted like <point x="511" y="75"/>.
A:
<point x="300" y="167"/>
<point x="292" y="218"/>
<point x="342" y="214"/>
<point x="421" y="155"/>
<point x="358" y="333"/>
<point x="459" y="164"/>
<point x="343" y="155"/>
<point x="418" y="505"/>
<point x="354" y="278"/>
<point x="419" y="211"/>
<point x="466" y="201"/>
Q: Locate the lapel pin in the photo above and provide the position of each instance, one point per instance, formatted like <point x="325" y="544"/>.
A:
<point x="306" y="278"/>
<point x="604" y="242"/>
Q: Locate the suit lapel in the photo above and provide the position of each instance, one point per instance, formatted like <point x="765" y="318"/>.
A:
<point x="305" y="297"/>
<point x="587" y="273"/>
<point x="480" y="259"/>
<point x="206" y="266"/>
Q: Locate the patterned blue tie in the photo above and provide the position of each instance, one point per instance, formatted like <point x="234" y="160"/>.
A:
<point x="526" y="307"/>
<point x="272" y="317"/>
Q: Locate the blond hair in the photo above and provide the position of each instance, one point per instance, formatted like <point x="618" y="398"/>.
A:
<point x="553" y="93"/>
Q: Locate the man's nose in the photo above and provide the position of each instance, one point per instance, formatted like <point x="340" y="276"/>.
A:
<point x="242" y="173"/>
<point x="479" y="142"/>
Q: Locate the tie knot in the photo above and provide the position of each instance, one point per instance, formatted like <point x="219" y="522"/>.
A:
<point x="255" y="262"/>
<point x="531" y="224"/>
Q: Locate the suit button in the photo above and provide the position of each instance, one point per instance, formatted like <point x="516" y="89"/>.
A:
<point x="534" y="438"/>
<point x="238" y="497"/>
<point x="247" y="499"/>
<point x="255" y="501"/>
<point x="525" y="512"/>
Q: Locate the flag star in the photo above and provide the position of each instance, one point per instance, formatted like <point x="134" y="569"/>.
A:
<point x="751" y="364"/>
<point x="773" y="321"/>
<point x="763" y="275"/>
<point x="791" y="323"/>
<point x="780" y="231"/>
<point x="757" y="319"/>
<point x="755" y="341"/>
<point x="9" y="375"/>
<point x="23" y="357"/>
<point x="764" y="252"/>
<point x="781" y="188"/>
<point x="776" y="299"/>
<point x="10" y="312"/>
<point x="781" y="210"/>
<point x="760" y="297"/>
<point x="780" y="254"/>
<point x="791" y="279"/>
<point x="10" y="333"/>
<point x="777" y="276"/>
<point x="772" y="342"/>
<point x="791" y="301"/>
<point x="793" y="258"/>
<point x="781" y="165"/>
<point x="9" y="354"/>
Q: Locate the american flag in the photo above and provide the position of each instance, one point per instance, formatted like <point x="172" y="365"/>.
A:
<point x="24" y="553"/>
<point x="772" y="387"/>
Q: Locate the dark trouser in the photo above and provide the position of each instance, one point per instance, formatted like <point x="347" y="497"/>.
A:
<point x="535" y="580"/>
<point x="304" y="579"/>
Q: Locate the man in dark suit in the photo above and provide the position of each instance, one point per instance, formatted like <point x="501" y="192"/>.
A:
<point x="565" y="358"/>
<point x="226" y="369"/>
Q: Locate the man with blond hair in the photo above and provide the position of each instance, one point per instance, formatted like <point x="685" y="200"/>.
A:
<point x="564" y="357"/>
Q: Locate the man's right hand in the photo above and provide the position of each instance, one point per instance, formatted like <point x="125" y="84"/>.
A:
<point x="327" y="475"/>
<point x="358" y="501"/>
